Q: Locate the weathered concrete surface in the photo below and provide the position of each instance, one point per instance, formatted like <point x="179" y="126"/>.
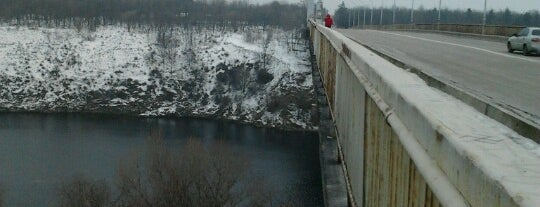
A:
<point x="351" y="124"/>
<point x="333" y="177"/>
<point x="456" y="149"/>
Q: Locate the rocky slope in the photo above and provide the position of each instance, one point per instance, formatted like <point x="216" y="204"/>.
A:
<point x="259" y="76"/>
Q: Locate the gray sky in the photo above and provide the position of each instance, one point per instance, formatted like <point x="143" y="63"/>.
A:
<point x="516" y="5"/>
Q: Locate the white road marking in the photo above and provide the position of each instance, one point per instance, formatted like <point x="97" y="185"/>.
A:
<point x="458" y="45"/>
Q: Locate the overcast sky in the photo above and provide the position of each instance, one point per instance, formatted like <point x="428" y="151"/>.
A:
<point x="516" y="5"/>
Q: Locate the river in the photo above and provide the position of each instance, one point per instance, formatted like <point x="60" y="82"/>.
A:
<point x="39" y="152"/>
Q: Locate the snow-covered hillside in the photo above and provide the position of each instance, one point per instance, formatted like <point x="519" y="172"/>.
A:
<point x="253" y="76"/>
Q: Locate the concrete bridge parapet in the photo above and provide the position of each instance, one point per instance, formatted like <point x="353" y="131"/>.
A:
<point x="404" y="143"/>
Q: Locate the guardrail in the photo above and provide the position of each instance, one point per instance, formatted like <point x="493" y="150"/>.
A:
<point x="490" y="30"/>
<point x="404" y="143"/>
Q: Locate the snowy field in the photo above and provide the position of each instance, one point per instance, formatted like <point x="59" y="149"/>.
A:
<point x="254" y="75"/>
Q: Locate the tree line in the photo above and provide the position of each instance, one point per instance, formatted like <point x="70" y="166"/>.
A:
<point x="346" y="17"/>
<point x="155" y="12"/>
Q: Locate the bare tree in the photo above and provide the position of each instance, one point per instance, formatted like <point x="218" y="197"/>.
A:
<point x="265" y="56"/>
<point x="260" y="192"/>
<point x="245" y="78"/>
<point x="83" y="192"/>
<point x="198" y="176"/>
<point x="168" y="45"/>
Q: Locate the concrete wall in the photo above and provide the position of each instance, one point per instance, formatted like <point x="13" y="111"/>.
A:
<point x="405" y="144"/>
<point x="351" y="124"/>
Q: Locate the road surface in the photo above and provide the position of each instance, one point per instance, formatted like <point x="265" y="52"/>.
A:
<point x="483" y="68"/>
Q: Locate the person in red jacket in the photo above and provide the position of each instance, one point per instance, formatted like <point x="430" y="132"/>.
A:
<point x="328" y="22"/>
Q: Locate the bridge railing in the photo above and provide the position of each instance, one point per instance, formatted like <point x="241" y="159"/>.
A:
<point x="490" y="30"/>
<point x="404" y="143"/>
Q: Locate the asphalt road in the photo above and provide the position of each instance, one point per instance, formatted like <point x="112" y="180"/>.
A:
<point x="483" y="68"/>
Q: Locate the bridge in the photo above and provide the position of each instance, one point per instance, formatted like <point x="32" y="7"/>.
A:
<point x="427" y="119"/>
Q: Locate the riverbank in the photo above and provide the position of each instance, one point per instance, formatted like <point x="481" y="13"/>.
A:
<point x="255" y="75"/>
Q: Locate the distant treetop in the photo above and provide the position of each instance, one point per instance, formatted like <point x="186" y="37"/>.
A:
<point x="154" y="12"/>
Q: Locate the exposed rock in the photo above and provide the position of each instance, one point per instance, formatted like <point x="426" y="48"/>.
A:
<point x="127" y="73"/>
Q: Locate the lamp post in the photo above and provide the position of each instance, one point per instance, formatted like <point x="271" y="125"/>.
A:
<point x="382" y="7"/>
<point x="412" y="12"/>
<point x="358" y="20"/>
<point x="349" y="19"/>
<point x="364" y="17"/>
<point x="484" y="18"/>
<point x="352" y="18"/>
<point x="439" y="17"/>
<point x="371" y="20"/>
<point x="394" y="13"/>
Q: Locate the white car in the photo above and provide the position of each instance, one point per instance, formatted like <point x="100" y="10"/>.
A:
<point x="528" y="41"/>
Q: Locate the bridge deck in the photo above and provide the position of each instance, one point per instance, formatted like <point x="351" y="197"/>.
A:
<point x="482" y="68"/>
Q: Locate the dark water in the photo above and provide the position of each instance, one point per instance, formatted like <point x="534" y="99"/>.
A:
<point x="39" y="152"/>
